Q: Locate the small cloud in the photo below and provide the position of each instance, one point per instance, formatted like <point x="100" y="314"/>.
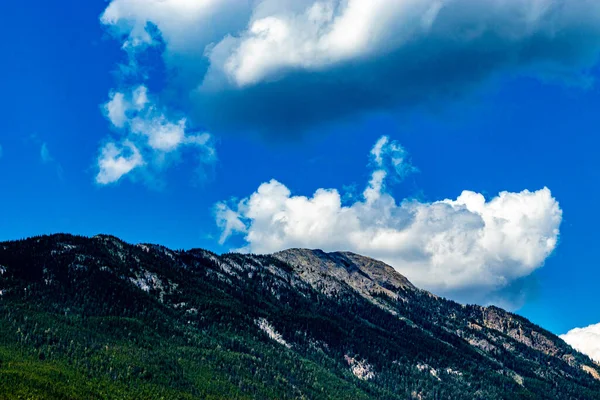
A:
<point x="391" y="156"/>
<point x="115" y="109"/>
<point x="228" y="221"/>
<point x="1" y="151"/>
<point x="46" y="157"/>
<point x="45" y="154"/>
<point x="150" y="137"/>
<point x="116" y="161"/>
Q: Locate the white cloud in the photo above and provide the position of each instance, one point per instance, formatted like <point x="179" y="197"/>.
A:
<point x="1" y="151"/>
<point x="585" y="340"/>
<point x="149" y="134"/>
<point x="467" y="245"/>
<point x="361" y="54"/>
<point x="326" y="33"/>
<point x="115" y="109"/>
<point x="115" y="162"/>
<point x="228" y="221"/>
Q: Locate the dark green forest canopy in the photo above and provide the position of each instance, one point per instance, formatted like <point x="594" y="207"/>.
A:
<point x="97" y="318"/>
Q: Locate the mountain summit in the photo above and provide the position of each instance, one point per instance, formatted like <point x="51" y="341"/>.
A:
<point x="100" y="318"/>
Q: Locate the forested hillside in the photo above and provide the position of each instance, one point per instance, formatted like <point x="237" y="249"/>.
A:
<point x="97" y="318"/>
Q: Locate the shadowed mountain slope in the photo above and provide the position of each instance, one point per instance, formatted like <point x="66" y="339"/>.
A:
<point x="100" y="318"/>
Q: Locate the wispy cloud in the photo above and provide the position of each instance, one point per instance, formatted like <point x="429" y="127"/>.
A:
<point x="45" y="154"/>
<point x="148" y="138"/>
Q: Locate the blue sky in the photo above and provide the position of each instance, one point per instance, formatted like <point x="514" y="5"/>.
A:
<point x="487" y="116"/>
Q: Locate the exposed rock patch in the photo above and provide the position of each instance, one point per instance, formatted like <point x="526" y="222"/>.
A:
<point x="266" y="327"/>
<point x="360" y="368"/>
<point x="593" y="372"/>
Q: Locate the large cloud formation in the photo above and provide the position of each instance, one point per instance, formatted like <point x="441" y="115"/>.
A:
<point x="467" y="248"/>
<point x="585" y="340"/>
<point x="269" y="64"/>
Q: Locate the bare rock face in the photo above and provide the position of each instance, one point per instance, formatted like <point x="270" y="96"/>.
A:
<point x="360" y="368"/>
<point x="513" y="327"/>
<point x="591" y="371"/>
<point x="333" y="273"/>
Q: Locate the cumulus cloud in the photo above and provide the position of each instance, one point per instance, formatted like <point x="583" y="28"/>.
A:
<point x="269" y="64"/>
<point x="467" y="247"/>
<point x="148" y="136"/>
<point x="585" y="340"/>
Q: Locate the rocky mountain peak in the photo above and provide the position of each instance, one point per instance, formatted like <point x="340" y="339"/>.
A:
<point x="337" y="271"/>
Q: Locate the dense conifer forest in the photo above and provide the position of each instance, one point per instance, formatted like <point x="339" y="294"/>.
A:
<point x="97" y="318"/>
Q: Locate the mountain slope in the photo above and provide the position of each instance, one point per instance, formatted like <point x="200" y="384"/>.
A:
<point x="99" y="318"/>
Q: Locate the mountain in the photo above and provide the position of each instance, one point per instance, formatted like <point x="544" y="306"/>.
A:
<point x="97" y="318"/>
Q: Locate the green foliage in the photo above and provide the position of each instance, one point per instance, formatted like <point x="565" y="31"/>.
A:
<point x="99" y="319"/>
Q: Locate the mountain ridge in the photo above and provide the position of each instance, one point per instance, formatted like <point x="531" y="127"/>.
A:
<point x="352" y="319"/>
